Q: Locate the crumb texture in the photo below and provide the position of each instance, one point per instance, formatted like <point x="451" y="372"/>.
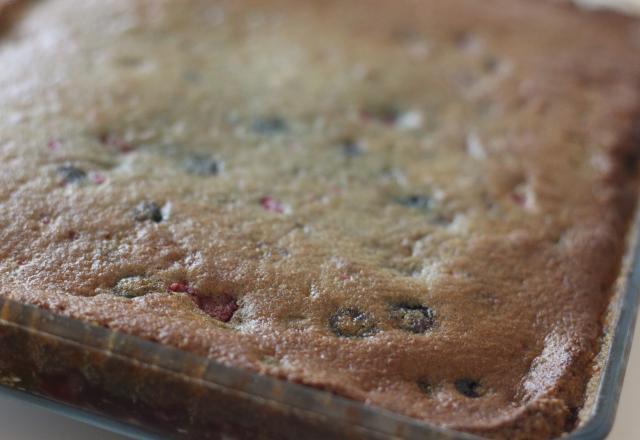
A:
<point x="418" y="204"/>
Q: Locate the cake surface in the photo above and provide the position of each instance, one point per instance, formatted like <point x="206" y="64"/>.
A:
<point x="417" y="204"/>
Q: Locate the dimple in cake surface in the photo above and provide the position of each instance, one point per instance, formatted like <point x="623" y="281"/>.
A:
<point x="420" y="205"/>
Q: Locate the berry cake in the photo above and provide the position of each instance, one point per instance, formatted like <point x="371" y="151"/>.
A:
<point x="421" y="205"/>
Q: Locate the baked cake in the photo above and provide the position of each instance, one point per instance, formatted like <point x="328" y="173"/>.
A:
<point x="421" y="205"/>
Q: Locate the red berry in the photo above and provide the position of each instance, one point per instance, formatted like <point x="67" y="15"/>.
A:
<point x="518" y="198"/>
<point x="98" y="178"/>
<point x="221" y="307"/>
<point x="386" y="114"/>
<point x="116" y="143"/>
<point x="272" y="205"/>
<point x="179" y="287"/>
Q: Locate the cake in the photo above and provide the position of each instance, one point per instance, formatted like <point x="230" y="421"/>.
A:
<point x="421" y="205"/>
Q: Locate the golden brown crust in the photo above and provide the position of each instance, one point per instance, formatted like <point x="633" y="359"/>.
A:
<point x="421" y="205"/>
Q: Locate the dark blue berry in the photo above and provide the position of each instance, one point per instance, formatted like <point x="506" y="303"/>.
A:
<point x="148" y="211"/>
<point x="416" y="201"/>
<point x="134" y="286"/>
<point x="425" y="386"/>
<point x="352" y="323"/>
<point x="71" y="174"/>
<point x="413" y="318"/>
<point x="269" y="125"/>
<point x="202" y="165"/>
<point x="350" y="148"/>
<point x="469" y="388"/>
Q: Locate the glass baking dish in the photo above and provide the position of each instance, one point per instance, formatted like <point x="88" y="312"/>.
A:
<point x="144" y="389"/>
